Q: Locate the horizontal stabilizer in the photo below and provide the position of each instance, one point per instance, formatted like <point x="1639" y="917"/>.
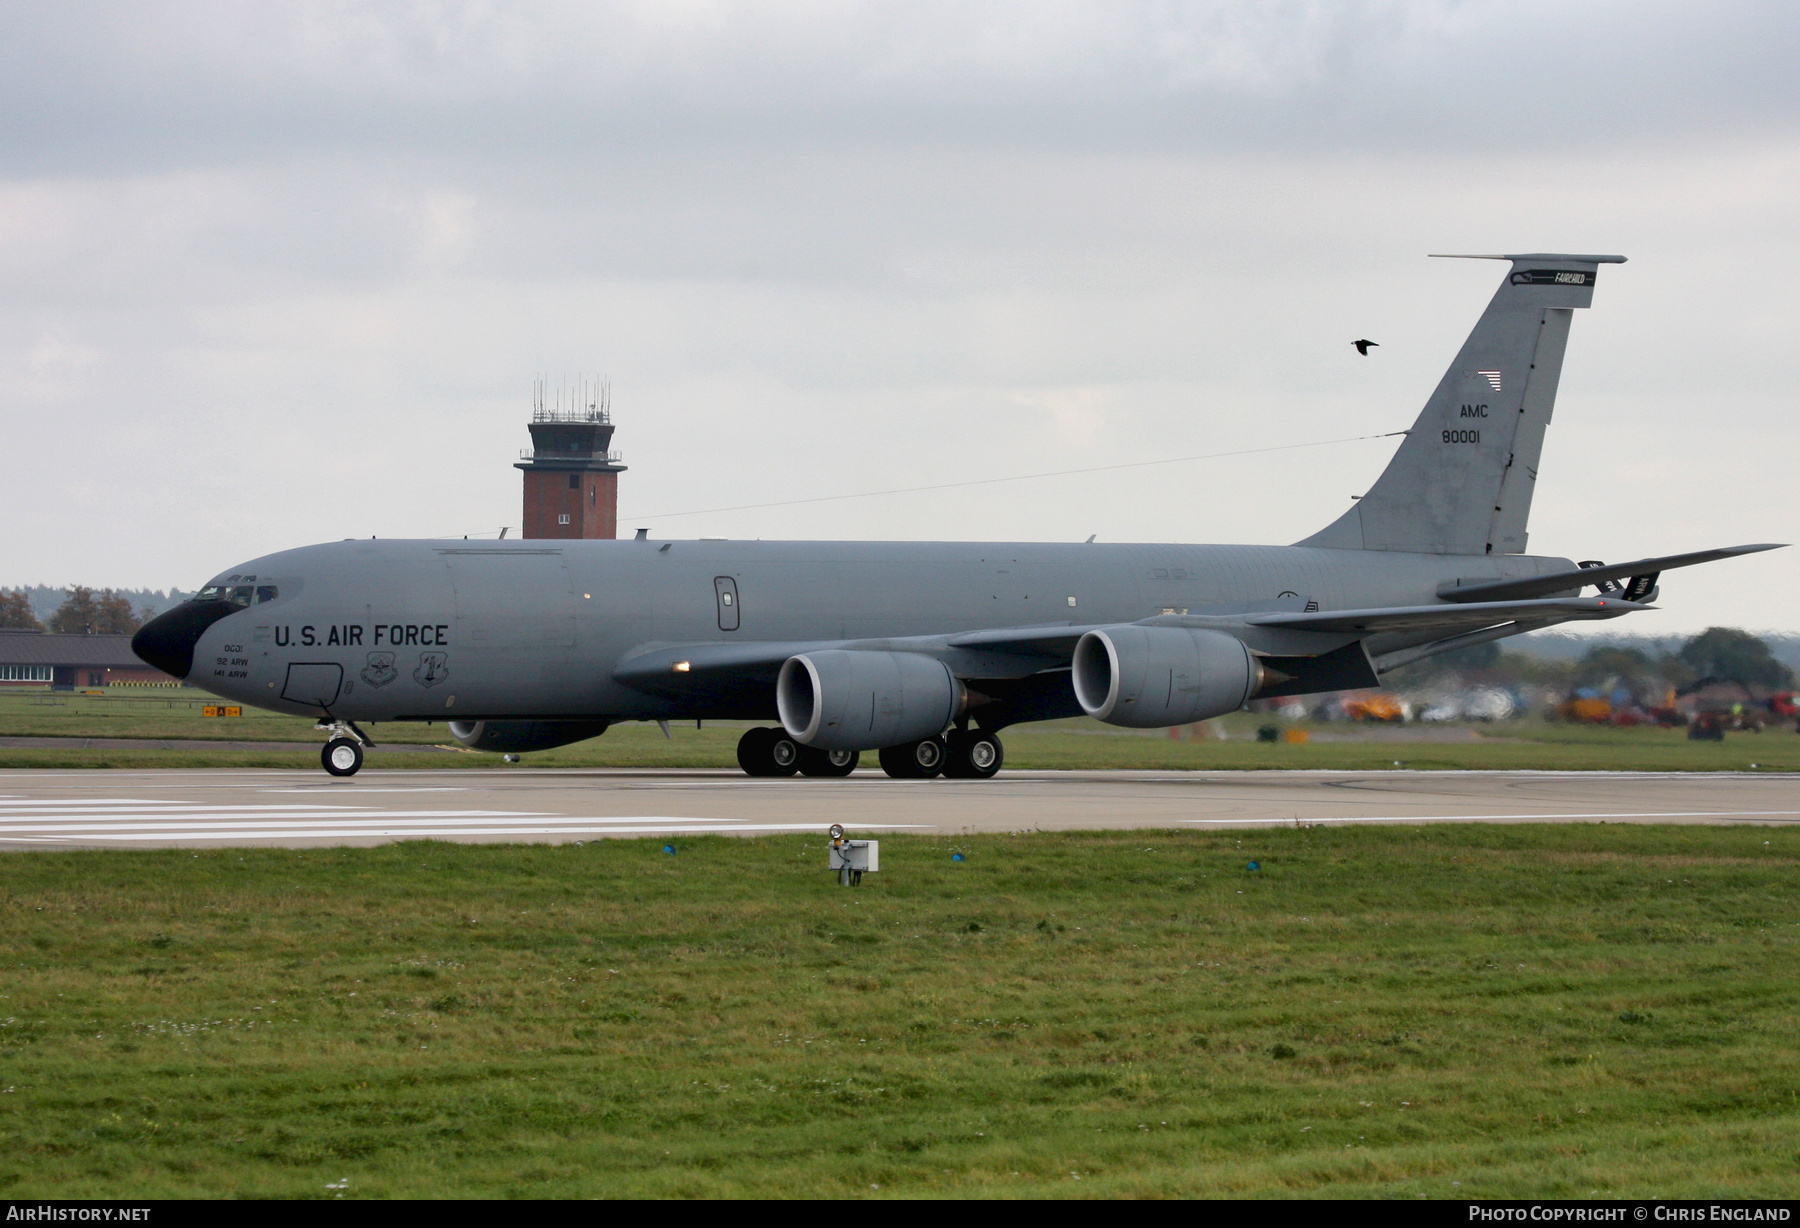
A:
<point x="1562" y="581"/>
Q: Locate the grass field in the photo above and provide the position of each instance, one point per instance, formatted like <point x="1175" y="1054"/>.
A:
<point x="1079" y="744"/>
<point x="1419" y="1011"/>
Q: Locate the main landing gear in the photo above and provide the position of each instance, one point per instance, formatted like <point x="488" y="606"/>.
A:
<point x="343" y="753"/>
<point x="771" y="752"/>
<point x="965" y="754"/>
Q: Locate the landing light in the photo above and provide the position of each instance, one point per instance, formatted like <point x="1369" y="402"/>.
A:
<point x="682" y="667"/>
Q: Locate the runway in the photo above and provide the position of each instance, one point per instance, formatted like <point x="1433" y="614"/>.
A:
<point x="201" y="808"/>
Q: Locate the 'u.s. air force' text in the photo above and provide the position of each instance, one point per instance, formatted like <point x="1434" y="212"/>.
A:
<point x="381" y="635"/>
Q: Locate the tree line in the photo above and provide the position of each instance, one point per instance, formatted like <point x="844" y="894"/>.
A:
<point x="83" y="612"/>
<point x="1717" y="654"/>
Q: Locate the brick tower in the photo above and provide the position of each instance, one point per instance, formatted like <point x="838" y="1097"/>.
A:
<point x="571" y="480"/>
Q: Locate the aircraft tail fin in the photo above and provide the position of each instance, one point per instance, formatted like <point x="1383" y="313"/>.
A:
<point x="1461" y="481"/>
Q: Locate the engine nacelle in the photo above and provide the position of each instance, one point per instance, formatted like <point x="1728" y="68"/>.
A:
<point x="841" y="699"/>
<point x="515" y="737"/>
<point x="1147" y="677"/>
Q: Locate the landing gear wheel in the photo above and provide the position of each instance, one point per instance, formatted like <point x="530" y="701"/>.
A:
<point x="919" y="760"/>
<point x="814" y="762"/>
<point x="342" y="756"/>
<point x="972" y="755"/>
<point x="768" y="752"/>
<point x="784" y="753"/>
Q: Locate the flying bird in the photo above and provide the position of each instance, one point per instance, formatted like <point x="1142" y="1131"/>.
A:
<point x="1362" y="347"/>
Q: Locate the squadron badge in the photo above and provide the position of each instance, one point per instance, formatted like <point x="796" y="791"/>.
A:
<point x="380" y="670"/>
<point x="434" y="667"/>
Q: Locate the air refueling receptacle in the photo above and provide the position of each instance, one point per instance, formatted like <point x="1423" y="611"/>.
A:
<point x="853" y="858"/>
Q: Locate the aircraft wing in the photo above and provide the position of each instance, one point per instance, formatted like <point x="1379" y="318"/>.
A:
<point x="679" y="668"/>
<point x="1005" y="652"/>
<point x="1447" y="617"/>
<point x="1561" y="581"/>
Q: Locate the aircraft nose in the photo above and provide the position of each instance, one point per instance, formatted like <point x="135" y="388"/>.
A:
<point x="167" y="641"/>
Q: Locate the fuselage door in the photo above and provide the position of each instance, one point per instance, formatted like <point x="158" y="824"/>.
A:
<point x="725" y="589"/>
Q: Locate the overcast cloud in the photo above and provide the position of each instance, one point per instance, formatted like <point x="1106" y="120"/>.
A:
<point x="276" y="274"/>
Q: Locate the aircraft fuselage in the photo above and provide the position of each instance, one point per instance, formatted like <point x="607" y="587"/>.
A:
<point x="458" y="630"/>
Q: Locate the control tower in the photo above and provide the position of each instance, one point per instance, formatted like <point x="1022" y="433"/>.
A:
<point x="571" y="480"/>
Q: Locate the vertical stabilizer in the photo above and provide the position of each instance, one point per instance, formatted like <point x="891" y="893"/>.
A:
<point x="1462" y="480"/>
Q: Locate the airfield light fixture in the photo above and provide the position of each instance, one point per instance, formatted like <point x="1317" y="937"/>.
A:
<point x="852" y="858"/>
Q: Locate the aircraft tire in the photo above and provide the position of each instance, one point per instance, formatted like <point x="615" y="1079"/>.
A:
<point x="768" y="752"/>
<point x="815" y="762"/>
<point x="971" y="754"/>
<point x="784" y="753"/>
<point x="342" y="757"/>
<point x="919" y="760"/>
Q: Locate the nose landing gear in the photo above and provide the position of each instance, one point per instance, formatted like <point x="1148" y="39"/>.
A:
<point x="343" y="752"/>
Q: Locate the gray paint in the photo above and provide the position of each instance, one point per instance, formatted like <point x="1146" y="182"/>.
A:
<point x="509" y="650"/>
<point x="1462" y="481"/>
<point x="642" y="630"/>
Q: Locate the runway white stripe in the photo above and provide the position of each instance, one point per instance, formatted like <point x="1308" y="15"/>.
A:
<point x="126" y="820"/>
<point x="1481" y="818"/>
<point x="646" y="826"/>
<point x="224" y="813"/>
<point x="348" y="822"/>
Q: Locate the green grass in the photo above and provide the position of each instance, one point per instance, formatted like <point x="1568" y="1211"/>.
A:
<point x="1526" y="1011"/>
<point x="1064" y="745"/>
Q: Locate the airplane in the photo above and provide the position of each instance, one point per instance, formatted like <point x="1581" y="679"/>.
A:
<point x="923" y="652"/>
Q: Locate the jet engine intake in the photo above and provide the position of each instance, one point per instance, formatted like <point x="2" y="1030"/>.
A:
<point x="1147" y="677"/>
<point x="514" y="737"/>
<point x="840" y="699"/>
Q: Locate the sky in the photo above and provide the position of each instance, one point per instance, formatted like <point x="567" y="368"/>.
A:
<point x="277" y="273"/>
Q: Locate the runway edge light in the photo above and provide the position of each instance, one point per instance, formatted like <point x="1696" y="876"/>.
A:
<point x="852" y="858"/>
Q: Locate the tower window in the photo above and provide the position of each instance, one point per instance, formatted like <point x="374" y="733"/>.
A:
<point x="574" y="481"/>
<point x="563" y="519"/>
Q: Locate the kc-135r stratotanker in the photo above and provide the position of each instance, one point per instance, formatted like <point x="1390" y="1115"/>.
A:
<point x="925" y="651"/>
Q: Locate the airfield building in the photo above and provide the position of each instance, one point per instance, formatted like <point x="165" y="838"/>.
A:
<point x="571" y="479"/>
<point x="39" y="660"/>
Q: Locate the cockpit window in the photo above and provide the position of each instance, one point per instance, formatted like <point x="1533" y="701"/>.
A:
<point x="238" y="594"/>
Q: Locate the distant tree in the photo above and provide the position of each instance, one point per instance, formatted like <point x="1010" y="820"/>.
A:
<point x="1734" y="656"/>
<point x="145" y="613"/>
<point x="78" y="614"/>
<point x="115" y="616"/>
<point x="1474" y="659"/>
<point x="1604" y="662"/>
<point x="15" y="612"/>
